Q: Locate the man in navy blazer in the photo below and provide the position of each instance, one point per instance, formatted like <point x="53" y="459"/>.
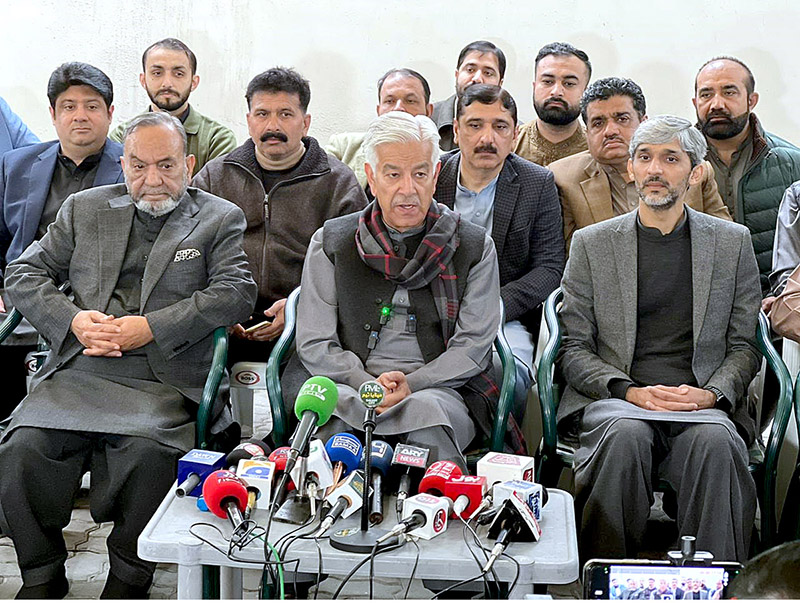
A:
<point x="35" y="181"/>
<point x="517" y="202"/>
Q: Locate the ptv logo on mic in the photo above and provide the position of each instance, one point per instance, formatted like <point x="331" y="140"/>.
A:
<point x="313" y="389"/>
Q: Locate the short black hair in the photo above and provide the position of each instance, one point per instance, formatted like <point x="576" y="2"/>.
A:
<point x="774" y="574"/>
<point x="405" y="72"/>
<point x="562" y="49"/>
<point x="486" y="94"/>
<point x="482" y="46"/>
<point x="79" y="74"/>
<point x="749" y="82"/>
<point x="171" y="44"/>
<point x="280" y="79"/>
<point x="614" y="86"/>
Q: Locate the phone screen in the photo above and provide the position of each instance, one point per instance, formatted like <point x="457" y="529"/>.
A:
<point x="634" y="580"/>
<point x="256" y="322"/>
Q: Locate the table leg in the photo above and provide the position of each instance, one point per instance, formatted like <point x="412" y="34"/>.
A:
<point x="230" y="579"/>
<point x="190" y="582"/>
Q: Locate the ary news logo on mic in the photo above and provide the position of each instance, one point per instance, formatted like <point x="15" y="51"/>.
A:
<point x="410" y="455"/>
<point x="371" y="393"/>
<point x="313" y="388"/>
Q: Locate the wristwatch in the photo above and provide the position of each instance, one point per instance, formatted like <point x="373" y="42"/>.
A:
<point x="721" y="401"/>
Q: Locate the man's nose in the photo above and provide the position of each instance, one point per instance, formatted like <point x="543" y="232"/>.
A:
<point x="152" y="177"/>
<point x="557" y="90"/>
<point x="80" y="113"/>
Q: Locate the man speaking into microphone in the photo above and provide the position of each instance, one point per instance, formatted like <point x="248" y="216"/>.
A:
<point x="404" y="293"/>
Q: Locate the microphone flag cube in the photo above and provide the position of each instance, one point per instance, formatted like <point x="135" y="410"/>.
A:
<point x="200" y="462"/>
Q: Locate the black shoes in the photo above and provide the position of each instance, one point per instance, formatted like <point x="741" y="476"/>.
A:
<point x="57" y="588"/>
<point x="117" y="589"/>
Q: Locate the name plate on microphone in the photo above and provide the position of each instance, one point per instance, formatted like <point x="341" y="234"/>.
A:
<point x="410" y="456"/>
<point x="258" y="474"/>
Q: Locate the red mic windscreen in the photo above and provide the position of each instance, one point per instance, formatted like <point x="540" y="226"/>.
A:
<point x="437" y="476"/>
<point x="222" y="485"/>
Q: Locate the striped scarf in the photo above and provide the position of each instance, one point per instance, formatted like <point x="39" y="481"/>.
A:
<point x="432" y="263"/>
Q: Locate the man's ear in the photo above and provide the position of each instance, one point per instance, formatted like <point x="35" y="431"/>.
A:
<point x="191" y="160"/>
<point x="370" y="177"/>
<point x="630" y="169"/>
<point x="752" y="100"/>
<point x="696" y="176"/>
<point x="455" y="131"/>
<point x="142" y="81"/>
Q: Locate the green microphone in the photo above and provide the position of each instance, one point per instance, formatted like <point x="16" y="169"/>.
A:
<point x="314" y="405"/>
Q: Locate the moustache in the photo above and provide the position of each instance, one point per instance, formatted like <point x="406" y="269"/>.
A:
<point x="168" y="90"/>
<point x="277" y="135"/>
<point x="556" y="101"/>
<point x="486" y="148"/>
<point x="719" y="113"/>
<point x="654" y="179"/>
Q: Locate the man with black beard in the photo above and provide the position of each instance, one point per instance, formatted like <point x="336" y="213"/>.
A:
<point x="752" y="167"/>
<point x="169" y="76"/>
<point x="561" y="73"/>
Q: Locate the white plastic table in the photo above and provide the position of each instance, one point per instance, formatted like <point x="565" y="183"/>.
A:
<point x="551" y="560"/>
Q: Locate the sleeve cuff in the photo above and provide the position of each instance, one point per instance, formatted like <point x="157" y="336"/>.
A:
<point x="619" y="387"/>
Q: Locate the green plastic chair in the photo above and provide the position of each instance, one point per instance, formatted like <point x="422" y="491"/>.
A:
<point x="281" y="422"/>
<point x="554" y="456"/>
<point x="790" y="519"/>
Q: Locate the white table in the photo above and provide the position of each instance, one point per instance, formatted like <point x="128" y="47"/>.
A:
<point x="552" y="560"/>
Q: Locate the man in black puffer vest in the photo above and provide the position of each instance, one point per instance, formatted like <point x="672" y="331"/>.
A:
<point x="405" y="293"/>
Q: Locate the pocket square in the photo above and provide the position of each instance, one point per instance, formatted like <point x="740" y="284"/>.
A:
<point x="186" y="254"/>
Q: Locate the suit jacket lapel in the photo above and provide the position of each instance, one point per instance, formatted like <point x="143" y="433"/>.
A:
<point x="39" y="178"/>
<point x="626" y="258"/>
<point x="177" y="227"/>
<point x="109" y="170"/>
<point x="597" y="191"/>
<point x="505" y="199"/>
<point x="446" y="187"/>
<point x="114" y="229"/>
<point x="703" y="246"/>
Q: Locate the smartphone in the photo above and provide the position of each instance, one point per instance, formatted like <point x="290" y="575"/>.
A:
<point x="624" y="579"/>
<point x="256" y="323"/>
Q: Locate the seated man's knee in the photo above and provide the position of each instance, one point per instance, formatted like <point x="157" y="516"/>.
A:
<point x="628" y="433"/>
<point x="713" y="439"/>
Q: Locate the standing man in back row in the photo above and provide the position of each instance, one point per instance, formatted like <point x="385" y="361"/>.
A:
<point x="561" y="73"/>
<point x="752" y="167"/>
<point x="287" y="186"/>
<point x="479" y="62"/>
<point x="169" y="76"/>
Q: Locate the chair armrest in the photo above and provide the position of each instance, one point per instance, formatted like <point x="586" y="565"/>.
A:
<point x="506" y="400"/>
<point x="211" y="387"/>
<point x="9" y="324"/>
<point x="545" y="375"/>
<point x="280" y="422"/>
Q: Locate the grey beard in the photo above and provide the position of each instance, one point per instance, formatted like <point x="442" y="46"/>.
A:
<point x="660" y="204"/>
<point x="159" y="208"/>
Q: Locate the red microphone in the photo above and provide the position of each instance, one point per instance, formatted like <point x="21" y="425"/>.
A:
<point x="437" y="475"/>
<point x="466" y="492"/>
<point x="225" y="495"/>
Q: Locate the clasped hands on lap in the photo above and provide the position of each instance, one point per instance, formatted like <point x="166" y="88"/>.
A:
<point x="103" y="335"/>
<point x="682" y="398"/>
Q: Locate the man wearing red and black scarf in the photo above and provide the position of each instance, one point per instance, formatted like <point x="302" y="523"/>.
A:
<point x="405" y="292"/>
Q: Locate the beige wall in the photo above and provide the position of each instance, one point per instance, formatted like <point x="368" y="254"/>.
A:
<point x="343" y="47"/>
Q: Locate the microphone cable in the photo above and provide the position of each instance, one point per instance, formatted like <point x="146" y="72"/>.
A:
<point x="413" y="569"/>
<point x="477" y="542"/>
<point x="360" y="564"/>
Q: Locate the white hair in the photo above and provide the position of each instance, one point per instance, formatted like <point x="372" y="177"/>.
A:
<point x="398" y="126"/>
<point x="662" y="129"/>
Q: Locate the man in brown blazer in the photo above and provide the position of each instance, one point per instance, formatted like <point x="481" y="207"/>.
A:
<point x="594" y="185"/>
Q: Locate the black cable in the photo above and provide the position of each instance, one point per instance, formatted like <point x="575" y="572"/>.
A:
<point x="319" y="567"/>
<point x="486" y="587"/>
<point x="457" y="584"/>
<point x="485" y="552"/>
<point x="361" y="563"/>
<point x="516" y="576"/>
<point x="413" y="569"/>
<point x="372" y="570"/>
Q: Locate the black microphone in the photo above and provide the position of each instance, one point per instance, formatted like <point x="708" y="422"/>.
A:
<point x="411" y="461"/>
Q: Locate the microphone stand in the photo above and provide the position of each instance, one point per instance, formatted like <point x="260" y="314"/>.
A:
<point x="365" y="540"/>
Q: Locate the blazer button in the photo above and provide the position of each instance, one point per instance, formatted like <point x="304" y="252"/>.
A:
<point x="367" y="327"/>
<point x="378" y="301"/>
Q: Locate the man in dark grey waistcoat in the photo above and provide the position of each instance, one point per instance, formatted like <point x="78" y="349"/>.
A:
<point x="154" y="268"/>
<point x="660" y="312"/>
<point x="404" y="292"/>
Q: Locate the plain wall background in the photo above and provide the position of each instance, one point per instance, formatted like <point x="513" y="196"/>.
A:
<point x="343" y="48"/>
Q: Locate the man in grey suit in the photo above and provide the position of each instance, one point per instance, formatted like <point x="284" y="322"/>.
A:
<point x="660" y="313"/>
<point x="154" y="269"/>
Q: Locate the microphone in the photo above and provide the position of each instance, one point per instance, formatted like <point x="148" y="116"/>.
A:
<point x="279" y="456"/>
<point x="514" y="522"/>
<point x="258" y="475"/>
<point x="344" y="451"/>
<point x="533" y="495"/>
<point x="500" y="467"/>
<point x="194" y="467"/>
<point x="314" y="405"/>
<point x="345" y="500"/>
<point x="371" y="394"/>
<point x="226" y="496"/>
<point x="424" y="516"/>
<point x="410" y="461"/>
<point x="316" y="472"/>
<point x="466" y="492"/>
<point x="437" y="475"/>
<point x="380" y="461"/>
<point x="246" y="450"/>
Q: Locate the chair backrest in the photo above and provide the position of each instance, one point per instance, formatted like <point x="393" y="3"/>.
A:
<point x="549" y="381"/>
<point x="281" y="421"/>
